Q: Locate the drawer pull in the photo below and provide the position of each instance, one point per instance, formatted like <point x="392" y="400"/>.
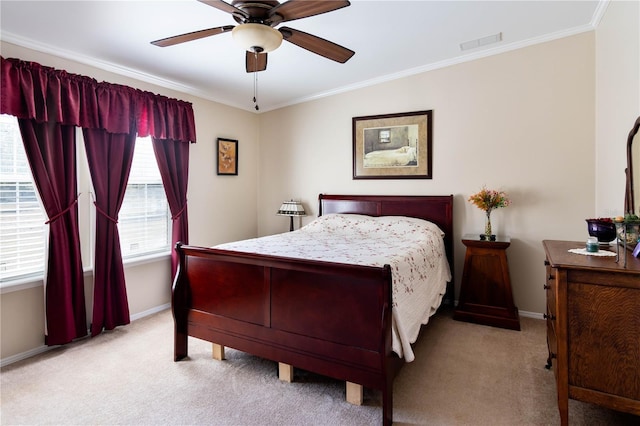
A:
<point x="547" y="287"/>
<point x="546" y="262"/>
<point x="550" y="317"/>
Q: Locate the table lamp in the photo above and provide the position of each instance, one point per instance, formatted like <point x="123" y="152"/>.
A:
<point x="291" y="209"/>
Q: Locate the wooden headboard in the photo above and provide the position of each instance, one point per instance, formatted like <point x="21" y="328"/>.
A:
<point x="434" y="208"/>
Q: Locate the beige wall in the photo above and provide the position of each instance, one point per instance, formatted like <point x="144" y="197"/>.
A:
<point x="221" y="208"/>
<point x="617" y="100"/>
<point x="521" y="121"/>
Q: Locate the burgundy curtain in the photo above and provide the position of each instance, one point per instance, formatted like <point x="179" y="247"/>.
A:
<point x="51" y="151"/>
<point x="30" y="90"/>
<point x="173" y="162"/>
<point x="111" y="114"/>
<point x="110" y="156"/>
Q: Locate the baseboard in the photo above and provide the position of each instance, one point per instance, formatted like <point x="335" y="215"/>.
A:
<point x="44" y="348"/>
<point x="150" y="311"/>
<point x="24" y="355"/>
<point x="535" y="315"/>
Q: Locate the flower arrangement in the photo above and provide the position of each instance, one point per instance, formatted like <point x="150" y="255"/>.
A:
<point x="487" y="200"/>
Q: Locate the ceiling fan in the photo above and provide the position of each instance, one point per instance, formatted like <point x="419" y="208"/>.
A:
<point x="256" y="32"/>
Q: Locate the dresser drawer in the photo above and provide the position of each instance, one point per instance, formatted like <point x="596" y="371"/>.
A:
<point x="551" y="287"/>
<point x="604" y="339"/>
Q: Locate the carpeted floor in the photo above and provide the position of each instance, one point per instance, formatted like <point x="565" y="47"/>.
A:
<point x="464" y="374"/>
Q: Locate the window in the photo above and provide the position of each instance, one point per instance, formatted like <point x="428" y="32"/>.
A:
<point x="144" y="219"/>
<point x="22" y="218"/>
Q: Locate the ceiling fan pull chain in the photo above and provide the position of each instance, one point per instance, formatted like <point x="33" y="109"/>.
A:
<point x="255" y="82"/>
<point x="255" y="90"/>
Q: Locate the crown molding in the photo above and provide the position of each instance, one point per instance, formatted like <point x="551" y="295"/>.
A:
<point x="493" y="50"/>
<point x="599" y="13"/>
<point x="111" y="67"/>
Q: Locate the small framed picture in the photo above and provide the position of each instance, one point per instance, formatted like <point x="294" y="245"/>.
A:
<point x="227" y="157"/>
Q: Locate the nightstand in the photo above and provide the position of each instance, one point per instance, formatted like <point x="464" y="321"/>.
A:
<point x="485" y="291"/>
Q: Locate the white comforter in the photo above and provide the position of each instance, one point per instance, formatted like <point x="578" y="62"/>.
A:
<point x="413" y="248"/>
<point x="390" y="157"/>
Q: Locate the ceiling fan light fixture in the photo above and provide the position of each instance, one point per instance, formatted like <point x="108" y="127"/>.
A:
<point x="259" y="38"/>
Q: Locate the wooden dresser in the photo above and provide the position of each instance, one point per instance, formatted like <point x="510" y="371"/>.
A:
<point x="593" y="327"/>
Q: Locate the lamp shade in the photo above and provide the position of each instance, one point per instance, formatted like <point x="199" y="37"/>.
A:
<point x="291" y="208"/>
<point x="257" y="37"/>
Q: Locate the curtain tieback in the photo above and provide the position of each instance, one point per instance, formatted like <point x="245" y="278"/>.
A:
<point x="103" y="213"/>
<point x="57" y="216"/>
<point x="177" y="215"/>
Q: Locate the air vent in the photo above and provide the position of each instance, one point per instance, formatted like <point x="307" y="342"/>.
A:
<point x="481" y="42"/>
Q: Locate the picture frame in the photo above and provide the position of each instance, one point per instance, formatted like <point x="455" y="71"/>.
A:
<point x="227" y="157"/>
<point x="393" y="146"/>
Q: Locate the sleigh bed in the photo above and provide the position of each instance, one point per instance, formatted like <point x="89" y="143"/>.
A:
<point x="331" y="318"/>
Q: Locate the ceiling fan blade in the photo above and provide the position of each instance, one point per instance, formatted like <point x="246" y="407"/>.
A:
<point x="195" y="35"/>
<point x="317" y="45"/>
<point x="225" y="7"/>
<point x="297" y="9"/>
<point x="256" y="61"/>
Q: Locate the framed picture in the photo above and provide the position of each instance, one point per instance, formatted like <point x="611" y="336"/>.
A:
<point x="393" y="146"/>
<point x="227" y="157"/>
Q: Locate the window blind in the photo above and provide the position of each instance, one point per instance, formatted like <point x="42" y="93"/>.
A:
<point x="22" y="218"/>
<point x="144" y="220"/>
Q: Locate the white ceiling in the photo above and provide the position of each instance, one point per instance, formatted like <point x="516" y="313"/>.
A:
<point x="391" y="39"/>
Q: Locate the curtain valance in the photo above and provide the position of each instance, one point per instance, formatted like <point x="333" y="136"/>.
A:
<point x="30" y="90"/>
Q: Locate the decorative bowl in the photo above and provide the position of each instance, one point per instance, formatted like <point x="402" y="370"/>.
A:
<point x="603" y="229"/>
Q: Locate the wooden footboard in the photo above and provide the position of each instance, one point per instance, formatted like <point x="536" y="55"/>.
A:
<point x="327" y="318"/>
<point x="278" y="309"/>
